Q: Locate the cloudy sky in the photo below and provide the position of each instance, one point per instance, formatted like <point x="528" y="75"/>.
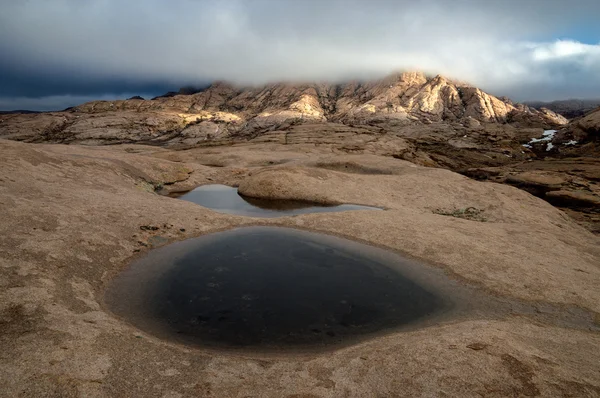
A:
<point x="58" y="53"/>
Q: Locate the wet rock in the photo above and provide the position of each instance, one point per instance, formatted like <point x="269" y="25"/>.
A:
<point x="158" y="241"/>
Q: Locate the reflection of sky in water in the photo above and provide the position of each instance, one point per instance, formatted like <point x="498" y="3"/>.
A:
<point x="268" y="287"/>
<point x="226" y="199"/>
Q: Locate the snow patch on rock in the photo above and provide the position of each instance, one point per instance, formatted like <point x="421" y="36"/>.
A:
<point x="547" y="136"/>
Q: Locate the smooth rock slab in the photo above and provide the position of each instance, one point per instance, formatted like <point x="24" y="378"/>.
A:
<point x="270" y="288"/>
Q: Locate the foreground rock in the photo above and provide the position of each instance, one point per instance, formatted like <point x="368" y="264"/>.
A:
<point x="73" y="217"/>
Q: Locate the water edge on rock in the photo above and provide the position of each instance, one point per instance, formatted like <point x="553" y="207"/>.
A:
<point x="226" y="199"/>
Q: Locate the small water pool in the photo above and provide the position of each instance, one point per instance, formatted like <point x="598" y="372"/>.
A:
<point x="263" y="288"/>
<point x="225" y="199"/>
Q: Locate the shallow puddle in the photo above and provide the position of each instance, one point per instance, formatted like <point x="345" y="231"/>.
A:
<point x="262" y="288"/>
<point x="225" y="199"/>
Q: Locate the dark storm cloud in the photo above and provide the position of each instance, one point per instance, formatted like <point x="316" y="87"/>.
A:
<point x="93" y="47"/>
<point x="35" y="84"/>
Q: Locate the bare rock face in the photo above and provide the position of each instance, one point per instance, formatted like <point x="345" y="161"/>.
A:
<point x="483" y="107"/>
<point x="581" y="137"/>
<point x="524" y="116"/>
<point x="397" y="100"/>
<point x="585" y="129"/>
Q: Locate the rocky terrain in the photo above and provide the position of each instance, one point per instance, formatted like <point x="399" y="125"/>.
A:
<point x="461" y="176"/>
<point x="565" y="170"/>
<point x="74" y="216"/>
<point x="583" y="134"/>
<point x="570" y="109"/>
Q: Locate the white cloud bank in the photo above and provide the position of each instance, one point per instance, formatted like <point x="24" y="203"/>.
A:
<point x="508" y="47"/>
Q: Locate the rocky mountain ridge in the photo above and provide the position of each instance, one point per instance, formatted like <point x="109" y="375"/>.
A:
<point x="407" y="97"/>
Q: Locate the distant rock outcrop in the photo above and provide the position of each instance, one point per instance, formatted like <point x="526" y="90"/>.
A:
<point x="570" y="109"/>
<point x="581" y="137"/>
<point x="586" y="128"/>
